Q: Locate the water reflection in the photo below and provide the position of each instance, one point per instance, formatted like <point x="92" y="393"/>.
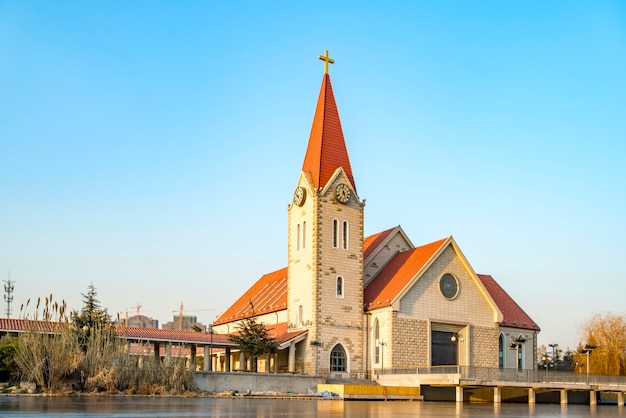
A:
<point x="156" y="407"/>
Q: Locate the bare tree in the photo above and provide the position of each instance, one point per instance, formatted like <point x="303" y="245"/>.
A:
<point x="608" y="334"/>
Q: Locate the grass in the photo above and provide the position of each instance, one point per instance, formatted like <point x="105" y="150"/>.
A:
<point x="91" y="360"/>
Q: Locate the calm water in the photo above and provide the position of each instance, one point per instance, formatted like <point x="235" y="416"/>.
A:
<point x="212" y="407"/>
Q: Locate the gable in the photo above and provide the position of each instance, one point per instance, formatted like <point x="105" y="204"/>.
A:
<point x="383" y="289"/>
<point x="424" y="299"/>
<point x="268" y="294"/>
<point x="380" y="248"/>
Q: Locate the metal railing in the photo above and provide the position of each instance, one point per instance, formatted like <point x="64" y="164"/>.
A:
<point x="510" y="375"/>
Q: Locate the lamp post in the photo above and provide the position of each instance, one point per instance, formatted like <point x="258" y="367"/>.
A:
<point x="516" y="345"/>
<point x="546" y="361"/>
<point x="457" y="337"/>
<point x="382" y="345"/>
<point x="211" y="348"/>
<point x="554" y="351"/>
<point x="587" y="350"/>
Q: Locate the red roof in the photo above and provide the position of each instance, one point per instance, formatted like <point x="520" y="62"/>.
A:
<point x="171" y="335"/>
<point x="268" y="294"/>
<point x="280" y="334"/>
<point x="513" y="315"/>
<point x="327" y="149"/>
<point x="22" y="325"/>
<point x="397" y="274"/>
<point x="277" y="331"/>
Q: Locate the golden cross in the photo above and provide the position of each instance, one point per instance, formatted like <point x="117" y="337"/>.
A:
<point x="326" y="60"/>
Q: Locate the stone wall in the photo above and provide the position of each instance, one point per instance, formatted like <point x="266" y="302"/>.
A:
<point x="484" y="346"/>
<point x="410" y="342"/>
<point x="256" y="382"/>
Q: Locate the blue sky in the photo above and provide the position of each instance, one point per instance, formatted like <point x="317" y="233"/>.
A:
<point x="152" y="147"/>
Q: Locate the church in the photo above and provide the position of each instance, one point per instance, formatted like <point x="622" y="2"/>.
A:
<point x="350" y="306"/>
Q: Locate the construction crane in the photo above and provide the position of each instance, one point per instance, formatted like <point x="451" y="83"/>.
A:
<point x="137" y="309"/>
<point x="180" y="313"/>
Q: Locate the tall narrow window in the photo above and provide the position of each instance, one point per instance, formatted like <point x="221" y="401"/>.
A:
<point x="298" y="238"/>
<point x="338" y="359"/>
<point x="300" y="316"/>
<point x="501" y="352"/>
<point x="335" y="233"/>
<point x="339" y="287"/>
<point x="376" y="342"/>
<point x="345" y="235"/>
<point x="304" y="234"/>
<point x="520" y="357"/>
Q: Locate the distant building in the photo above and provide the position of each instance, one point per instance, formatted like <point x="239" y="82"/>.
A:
<point x="185" y="323"/>
<point x="138" y="321"/>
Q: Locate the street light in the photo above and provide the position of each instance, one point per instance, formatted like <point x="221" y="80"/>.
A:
<point x="554" y="351"/>
<point x="517" y="343"/>
<point x="210" y="349"/>
<point x="382" y="345"/>
<point x="546" y="361"/>
<point x="587" y="350"/>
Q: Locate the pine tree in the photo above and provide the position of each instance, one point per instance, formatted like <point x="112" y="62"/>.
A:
<point x="92" y="319"/>
<point x="253" y="340"/>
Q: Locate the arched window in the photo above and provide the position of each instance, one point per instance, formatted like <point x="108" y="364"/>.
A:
<point x="345" y="235"/>
<point x="501" y="352"/>
<point x="338" y="359"/>
<point x="335" y="234"/>
<point x="304" y="234"/>
<point x="340" y="287"/>
<point x="376" y="342"/>
<point x="298" y="238"/>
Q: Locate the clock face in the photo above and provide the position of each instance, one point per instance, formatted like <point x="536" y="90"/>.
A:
<point x="448" y="286"/>
<point x="342" y="193"/>
<point x="299" y="196"/>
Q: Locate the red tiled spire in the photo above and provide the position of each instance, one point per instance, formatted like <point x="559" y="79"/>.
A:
<point x="327" y="149"/>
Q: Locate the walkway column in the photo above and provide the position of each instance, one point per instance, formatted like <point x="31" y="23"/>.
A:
<point x="207" y="365"/>
<point x="593" y="397"/>
<point x="276" y="362"/>
<point x="459" y="393"/>
<point x="168" y="353"/>
<point x="620" y="398"/>
<point x="531" y="395"/>
<point x="563" y="397"/>
<point x="292" y="357"/>
<point x="242" y="361"/>
<point x="227" y="365"/>
<point x="192" y="361"/>
<point x="157" y="351"/>
<point x="497" y="395"/>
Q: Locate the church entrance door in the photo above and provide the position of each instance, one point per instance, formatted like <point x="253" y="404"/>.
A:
<point x="444" y="352"/>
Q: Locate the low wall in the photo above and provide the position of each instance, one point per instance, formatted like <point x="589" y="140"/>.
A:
<point x="217" y="382"/>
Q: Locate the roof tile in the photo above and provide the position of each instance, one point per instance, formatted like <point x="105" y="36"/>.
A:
<point x="268" y="294"/>
<point x="326" y="150"/>
<point x="513" y="315"/>
<point x="397" y="274"/>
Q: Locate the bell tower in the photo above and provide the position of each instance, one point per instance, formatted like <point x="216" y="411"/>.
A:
<point x="325" y="249"/>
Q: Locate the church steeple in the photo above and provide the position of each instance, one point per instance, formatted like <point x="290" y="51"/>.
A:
<point x="327" y="149"/>
<point x="325" y="248"/>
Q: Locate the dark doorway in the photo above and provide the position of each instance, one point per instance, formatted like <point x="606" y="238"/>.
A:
<point x="444" y="352"/>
